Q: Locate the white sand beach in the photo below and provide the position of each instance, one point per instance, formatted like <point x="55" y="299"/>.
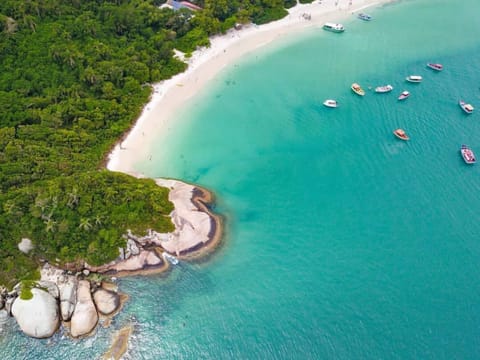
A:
<point x="168" y="96"/>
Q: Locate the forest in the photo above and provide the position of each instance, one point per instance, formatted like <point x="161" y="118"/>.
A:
<point x="74" y="76"/>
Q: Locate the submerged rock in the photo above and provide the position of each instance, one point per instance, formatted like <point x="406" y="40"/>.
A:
<point x="85" y="317"/>
<point x="38" y="316"/>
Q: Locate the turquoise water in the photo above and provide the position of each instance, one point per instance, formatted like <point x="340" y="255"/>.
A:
<point x="342" y="242"/>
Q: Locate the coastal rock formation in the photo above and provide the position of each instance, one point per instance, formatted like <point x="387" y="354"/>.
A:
<point x="37" y="317"/>
<point x="85" y="317"/>
<point x="68" y="296"/>
<point x="193" y="224"/>
<point x="50" y="287"/>
<point x="195" y="229"/>
<point x="106" y="301"/>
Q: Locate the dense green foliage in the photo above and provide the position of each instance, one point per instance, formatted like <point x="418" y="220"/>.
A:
<point x="74" y="74"/>
<point x="26" y="287"/>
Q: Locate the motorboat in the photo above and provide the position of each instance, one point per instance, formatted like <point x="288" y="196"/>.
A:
<point x="468" y="108"/>
<point x="170" y="258"/>
<point x="400" y="133"/>
<point x="337" y="28"/>
<point x="467" y="154"/>
<point x="365" y="17"/>
<point x="434" y="66"/>
<point x="357" y="89"/>
<point x="384" y="89"/>
<point x="405" y="94"/>
<point x="330" y="103"/>
<point x="414" y="78"/>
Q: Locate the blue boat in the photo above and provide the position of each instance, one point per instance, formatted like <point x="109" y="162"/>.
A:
<point x="365" y="17"/>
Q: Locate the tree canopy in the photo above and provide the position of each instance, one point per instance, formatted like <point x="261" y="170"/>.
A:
<point x="74" y="75"/>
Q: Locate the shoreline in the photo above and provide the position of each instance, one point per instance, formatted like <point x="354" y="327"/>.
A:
<point x="157" y="116"/>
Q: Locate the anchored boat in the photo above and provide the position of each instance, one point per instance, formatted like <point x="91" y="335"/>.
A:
<point x="467" y="154"/>
<point x="468" y="108"/>
<point x="337" y="28"/>
<point x="405" y="94"/>
<point x="400" y="133"/>
<point x="414" y="78"/>
<point x="357" y="89"/>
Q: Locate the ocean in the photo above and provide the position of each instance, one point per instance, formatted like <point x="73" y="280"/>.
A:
<point x="342" y="241"/>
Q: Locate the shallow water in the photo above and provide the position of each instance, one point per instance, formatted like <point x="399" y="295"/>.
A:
<point x="342" y="241"/>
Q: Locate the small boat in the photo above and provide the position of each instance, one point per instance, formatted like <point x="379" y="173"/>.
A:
<point x="384" y="89"/>
<point x="414" y="78"/>
<point x="468" y="108"/>
<point x="337" y="28"/>
<point x="405" y="94"/>
<point x="363" y="16"/>
<point x="330" y="103"/>
<point x="467" y="154"/>
<point x="400" y="133"/>
<point x="170" y="258"/>
<point x="436" y="67"/>
<point x="357" y="89"/>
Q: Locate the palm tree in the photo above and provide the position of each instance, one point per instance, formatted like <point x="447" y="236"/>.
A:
<point x="98" y="220"/>
<point x="50" y="225"/>
<point x="73" y="198"/>
<point x="85" y="224"/>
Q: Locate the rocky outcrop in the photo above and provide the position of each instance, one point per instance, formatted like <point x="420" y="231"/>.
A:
<point x="106" y="301"/>
<point x="85" y="317"/>
<point x="193" y="225"/>
<point x="37" y="317"/>
<point x="68" y="296"/>
<point x="50" y="287"/>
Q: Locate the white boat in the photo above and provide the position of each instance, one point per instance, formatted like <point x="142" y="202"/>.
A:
<point x="384" y="89"/>
<point x="435" y="66"/>
<point x="414" y="78"/>
<point x="357" y="89"/>
<point x="405" y="94"/>
<point x="401" y="134"/>
<point x="170" y="258"/>
<point x="468" y="108"/>
<point x="363" y="16"/>
<point x="467" y="154"/>
<point x="330" y="103"/>
<point x="338" y="28"/>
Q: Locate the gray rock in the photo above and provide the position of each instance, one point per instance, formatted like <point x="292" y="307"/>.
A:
<point x="68" y="297"/>
<point x="132" y="247"/>
<point x="8" y="305"/>
<point x="85" y="317"/>
<point x="37" y="317"/>
<point x="25" y="245"/>
<point x="107" y="301"/>
<point x="49" y="286"/>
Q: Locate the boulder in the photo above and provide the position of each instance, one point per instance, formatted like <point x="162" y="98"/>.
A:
<point x="25" y="245"/>
<point x="68" y="296"/>
<point x="107" y="301"/>
<point x="38" y="316"/>
<point x="85" y="317"/>
<point x="50" y="287"/>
